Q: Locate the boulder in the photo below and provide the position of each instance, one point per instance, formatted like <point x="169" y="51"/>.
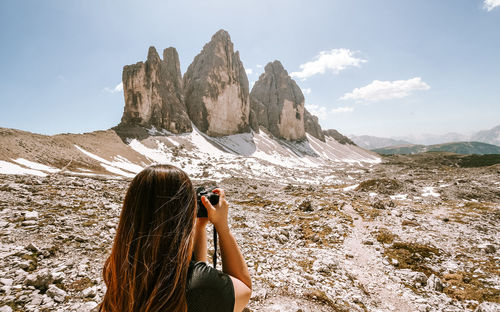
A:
<point x="41" y="279"/>
<point x="277" y="104"/>
<point x="5" y="308"/>
<point x="154" y="93"/>
<point x="56" y="293"/>
<point x="216" y="89"/>
<point x="306" y="206"/>
<point x="434" y="283"/>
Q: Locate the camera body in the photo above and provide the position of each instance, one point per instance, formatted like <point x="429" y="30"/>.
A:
<point x="210" y="195"/>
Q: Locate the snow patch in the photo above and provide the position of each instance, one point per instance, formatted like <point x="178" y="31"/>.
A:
<point x="10" y="168"/>
<point x="117" y="166"/>
<point x="350" y="188"/>
<point x="430" y="191"/>
<point x="35" y="166"/>
<point x="399" y="196"/>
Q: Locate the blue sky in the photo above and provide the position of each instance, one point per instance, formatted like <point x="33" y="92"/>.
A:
<point x="386" y="68"/>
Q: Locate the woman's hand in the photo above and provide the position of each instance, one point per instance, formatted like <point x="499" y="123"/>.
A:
<point x="218" y="214"/>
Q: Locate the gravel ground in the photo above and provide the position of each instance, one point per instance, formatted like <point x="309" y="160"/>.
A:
<point x="410" y="234"/>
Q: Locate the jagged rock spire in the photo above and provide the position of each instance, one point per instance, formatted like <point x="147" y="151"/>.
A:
<point x="216" y="89"/>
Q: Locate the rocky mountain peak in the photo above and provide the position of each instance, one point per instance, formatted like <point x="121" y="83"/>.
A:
<point x="311" y="126"/>
<point x="275" y="66"/>
<point x="153" y="93"/>
<point x="277" y="103"/>
<point x="275" y="99"/>
<point x="342" y="139"/>
<point x="221" y="35"/>
<point x="153" y="56"/>
<point x="216" y="89"/>
<point x="173" y="68"/>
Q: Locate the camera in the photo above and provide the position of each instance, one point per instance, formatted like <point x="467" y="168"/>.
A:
<point x="210" y="195"/>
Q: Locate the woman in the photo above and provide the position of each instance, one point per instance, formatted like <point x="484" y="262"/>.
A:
<point x="158" y="259"/>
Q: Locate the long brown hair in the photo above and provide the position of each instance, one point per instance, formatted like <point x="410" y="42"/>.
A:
<point x="149" y="261"/>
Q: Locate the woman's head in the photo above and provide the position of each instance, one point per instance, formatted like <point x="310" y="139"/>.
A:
<point x="147" y="268"/>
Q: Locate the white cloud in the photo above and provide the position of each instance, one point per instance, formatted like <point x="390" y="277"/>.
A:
<point x="319" y="111"/>
<point x="386" y="90"/>
<point x="249" y="71"/>
<point x="322" y="112"/>
<point x="259" y="66"/>
<point x="334" y="60"/>
<point x="342" y="109"/>
<point x="491" y="4"/>
<point x="306" y="91"/>
<point x="117" y="88"/>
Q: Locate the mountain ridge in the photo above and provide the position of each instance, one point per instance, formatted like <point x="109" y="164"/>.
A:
<point x="454" y="147"/>
<point x="489" y="136"/>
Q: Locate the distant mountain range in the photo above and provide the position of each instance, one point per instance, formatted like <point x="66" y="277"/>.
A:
<point x="458" y="148"/>
<point x="491" y="136"/>
<point x="373" y="142"/>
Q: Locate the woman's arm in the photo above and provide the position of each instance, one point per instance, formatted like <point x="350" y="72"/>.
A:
<point x="233" y="262"/>
<point x="200" y="240"/>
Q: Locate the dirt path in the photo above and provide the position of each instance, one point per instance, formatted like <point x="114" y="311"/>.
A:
<point x="385" y="293"/>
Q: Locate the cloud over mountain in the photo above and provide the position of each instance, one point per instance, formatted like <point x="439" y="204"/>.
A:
<point x="386" y="90"/>
<point x="335" y="60"/>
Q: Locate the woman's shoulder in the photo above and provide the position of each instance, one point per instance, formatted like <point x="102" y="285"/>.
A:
<point x="202" y="275"/>
<point x="209" y="288"/>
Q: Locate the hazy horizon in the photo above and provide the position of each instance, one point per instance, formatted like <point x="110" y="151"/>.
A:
<point x="390" y="70"/>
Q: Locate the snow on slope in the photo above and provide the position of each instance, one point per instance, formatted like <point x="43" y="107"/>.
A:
<point x="35" y="166"/>
<point x="253" y="154"/>
<point x="256" y="155"/>
<point x="11" y="168"/>
<point x="115" y="166"/>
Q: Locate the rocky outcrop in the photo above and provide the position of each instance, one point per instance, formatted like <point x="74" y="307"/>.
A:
<point x="342" y="139"/>
<point x="216" y="89"/>
<point x="277" y="104"/>
<point x="213" y="95"/>
<point x="311" y="126"/>
<point x="154" y="93"/>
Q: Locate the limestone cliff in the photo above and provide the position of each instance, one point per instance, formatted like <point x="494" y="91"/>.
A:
<point x="312" y="126"/>
<point x="277" y="104"/>
<point x="154" y="93"/>
<point x="216" y="89"/>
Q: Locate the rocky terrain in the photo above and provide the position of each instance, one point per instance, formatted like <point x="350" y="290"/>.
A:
<point x="414" y="233"/>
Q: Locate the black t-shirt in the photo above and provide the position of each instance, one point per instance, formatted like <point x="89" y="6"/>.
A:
<point x="208" y="289"/>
